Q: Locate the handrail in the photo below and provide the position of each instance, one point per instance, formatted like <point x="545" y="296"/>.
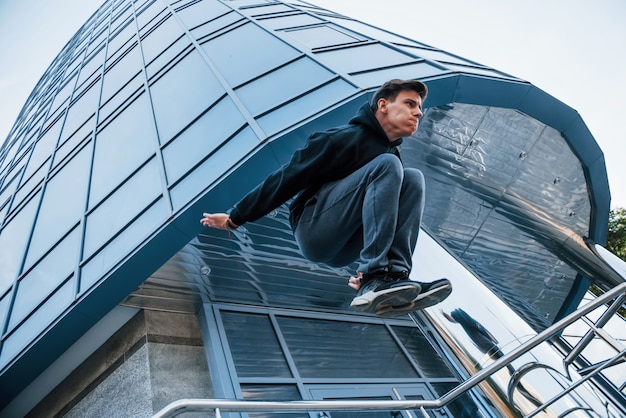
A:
<point x="238" y="405"/>
<point x="595" y="371"/>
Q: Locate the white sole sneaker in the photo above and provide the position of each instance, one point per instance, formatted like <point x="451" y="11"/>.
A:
<point x="431" y="294"/>
<point x="393" y="296"/>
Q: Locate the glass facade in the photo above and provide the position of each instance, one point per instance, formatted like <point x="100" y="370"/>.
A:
<point x="157" y="110"/>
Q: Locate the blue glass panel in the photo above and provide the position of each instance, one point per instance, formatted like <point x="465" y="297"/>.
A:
<point x="52" y="118"/>
<point x="38" y="118"/>
<point x="262" y="94"/>
<point x="271" y="392"/>
<point x="260" y="9"/>
<point x="213" y="168"/>
<point x="430" y="363"/>
<point x="201" y="138"/>
<point x="412" y="71"/>
<point x="200" y="12"/>
<point x="254" y="45"/>
<point x="290" y="21"/>
<point x="7" y="191"/>
<point x="40" y="319"/>
<point x="148" y="13"/>
<point x="123" y="244"/>
<point x="98" y="39"/>
<point x="24" y="147"/>
<point x="119" y="74"/>
<point x="182" y="94"/>
<point x="44" y="147"/>
<point x="119" y="97"/>
<point x="79" y="46"/>
<point x="99" y="30"/>
<point x="369" y="31"/>
<point x="322" y="348"/>
<point x="4" y="304"/>
<point x="121" y="41"/>
<point x="364" y="57"/>
<point x="121" y="13"/>
<point x="321" y="36"/>
<point x="253" y="345"/>
<point x="166" y="56"/>
<point x="63" y="205"/>
<point x="45" y="277"/>
<point x="305" y="106"/>
<point x="72" y="142"/>
<point x="435" y="55"/>
<point x="211" y="27"/>
<point x="63" y="94"/>
<point x="73" y="66"/>
<point x="165" y="34"/>
<point x="13" y="239"/>
<point x="122" y="206"/>
<point x="92" y="67"/>
<point x="482" y="71"/>
<point x="10" y="154"/>
<point x="120" y="23"/>
<point x="25" y="140"/>
<point x="81" y="111"/>
<point x="121" y="147"/>
<point x="4" y="208"/>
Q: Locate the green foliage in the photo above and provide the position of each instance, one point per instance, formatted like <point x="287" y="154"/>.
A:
<point x="616" y="237"/>
<point x="615" y="242"/>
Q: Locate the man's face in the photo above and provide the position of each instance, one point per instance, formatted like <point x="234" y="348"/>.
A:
<point x="399" y="118"/>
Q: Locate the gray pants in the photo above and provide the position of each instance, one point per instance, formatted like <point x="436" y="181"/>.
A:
<point x="373" y="215"/>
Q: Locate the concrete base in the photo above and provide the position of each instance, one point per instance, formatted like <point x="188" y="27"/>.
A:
<point x="155" y="359"/>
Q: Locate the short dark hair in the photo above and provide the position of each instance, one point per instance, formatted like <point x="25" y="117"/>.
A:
<point x="391" y="88"/>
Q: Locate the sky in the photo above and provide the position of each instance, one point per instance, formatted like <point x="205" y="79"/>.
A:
<point x="575" y="50"/>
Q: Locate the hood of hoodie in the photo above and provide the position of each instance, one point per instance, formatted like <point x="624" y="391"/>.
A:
<point x="366" y="117"/>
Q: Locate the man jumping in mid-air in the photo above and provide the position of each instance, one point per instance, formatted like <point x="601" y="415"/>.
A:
<point x="355" y="201"/>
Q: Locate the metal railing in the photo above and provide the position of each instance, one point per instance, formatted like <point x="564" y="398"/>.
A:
<point x="617" y="295"/>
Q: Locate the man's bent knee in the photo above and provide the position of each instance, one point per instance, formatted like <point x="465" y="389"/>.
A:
<point x="389" y="163"/>
<point x="414" y="176"/>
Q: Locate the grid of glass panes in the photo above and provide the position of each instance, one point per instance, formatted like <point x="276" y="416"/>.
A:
<point x="275" y="356"/>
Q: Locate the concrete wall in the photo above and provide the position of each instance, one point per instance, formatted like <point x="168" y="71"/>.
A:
<point x="155" y="359"/>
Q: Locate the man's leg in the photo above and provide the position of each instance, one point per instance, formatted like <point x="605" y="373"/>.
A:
<point x="409" y="217"/>
<point x="407" y="208"/>
<point x="360" y="212"/>
<point x="377" y="209"/>
<point x="410" y="212"/>
<point x="358" y="218"/>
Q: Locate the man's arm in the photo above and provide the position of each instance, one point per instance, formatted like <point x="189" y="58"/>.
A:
<point x="306" y="165"/>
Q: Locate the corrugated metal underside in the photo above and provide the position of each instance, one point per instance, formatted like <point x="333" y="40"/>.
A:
<point x="501" y="189"/>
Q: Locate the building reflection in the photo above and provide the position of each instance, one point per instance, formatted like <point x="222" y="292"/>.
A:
<point x="488" y="344"/>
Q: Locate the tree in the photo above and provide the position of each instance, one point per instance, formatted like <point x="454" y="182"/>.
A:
<point x="615" y="243"/>
<point x="616" y="236"/>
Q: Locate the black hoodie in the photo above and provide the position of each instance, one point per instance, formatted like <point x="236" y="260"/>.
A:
<point x="327" y="156"/>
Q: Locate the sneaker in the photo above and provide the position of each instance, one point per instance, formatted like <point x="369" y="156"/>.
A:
<point x="430" y="294"/>
<point x="385" y="289"/>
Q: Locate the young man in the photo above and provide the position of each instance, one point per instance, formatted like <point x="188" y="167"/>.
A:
<point x="355" y="201"/>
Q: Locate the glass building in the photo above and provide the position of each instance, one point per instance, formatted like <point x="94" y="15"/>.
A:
<point x="114" y="301"/>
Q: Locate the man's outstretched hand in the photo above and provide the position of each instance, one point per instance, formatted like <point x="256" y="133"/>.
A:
<point x="217" y="220"/>
<point x="355" y="282"/>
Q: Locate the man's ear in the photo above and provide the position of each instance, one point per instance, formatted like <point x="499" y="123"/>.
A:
<point x="382" y="104"/>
